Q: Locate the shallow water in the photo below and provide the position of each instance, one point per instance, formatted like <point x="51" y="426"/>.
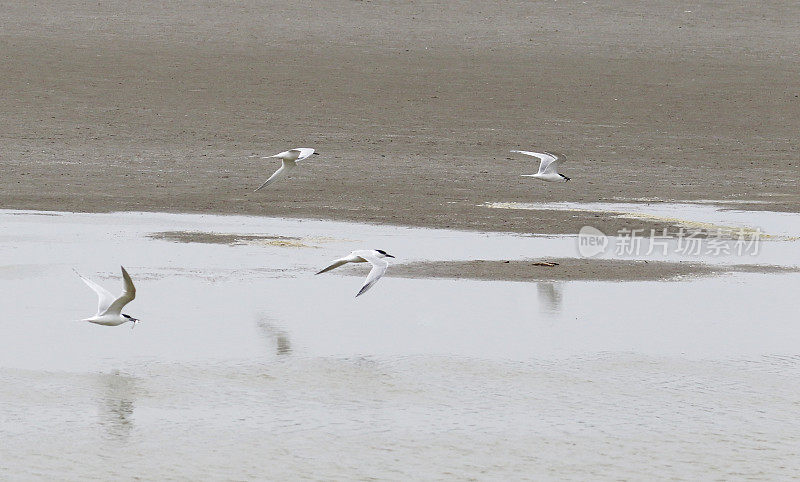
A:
<point x="247" y="365"/>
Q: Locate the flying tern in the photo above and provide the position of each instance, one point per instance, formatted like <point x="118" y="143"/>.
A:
<point x="547" y="166"/>
<point x="376" y="257"/>
<point x="109" y="307"/>
<point x="288" y="163"/>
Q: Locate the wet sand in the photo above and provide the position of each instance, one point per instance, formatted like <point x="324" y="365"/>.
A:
<point x="227" y="238"/>
<point x="572" y="269"/>
<point x="529" y="270"/>
<point x="413" y="106"/>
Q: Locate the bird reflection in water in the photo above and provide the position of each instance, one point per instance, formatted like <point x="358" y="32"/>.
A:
<point x="277" y="336"/>
<point x="117" y="396"/>
<point x="550" y="297"/>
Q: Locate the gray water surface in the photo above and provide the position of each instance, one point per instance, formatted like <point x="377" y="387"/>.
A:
<point x="246" y="365"/>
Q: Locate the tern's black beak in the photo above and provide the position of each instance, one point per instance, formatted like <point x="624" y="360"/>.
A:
<point x="389" y="256"/>
<point x="316" y="153"/>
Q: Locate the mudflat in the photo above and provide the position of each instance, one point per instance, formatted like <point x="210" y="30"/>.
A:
<point x="414" y="106"/>
<point x="573" y="269"/>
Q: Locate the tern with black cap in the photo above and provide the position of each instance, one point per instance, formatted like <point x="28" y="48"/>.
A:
<point x="109" y="307"/>
<point x="288" y="163"/>
<point x="548" y="163"/>
<point x="375" y="257"/>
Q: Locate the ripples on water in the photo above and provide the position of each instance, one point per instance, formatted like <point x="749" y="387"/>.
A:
<point x="248" y="366"/>
<point x="610" y="416"/>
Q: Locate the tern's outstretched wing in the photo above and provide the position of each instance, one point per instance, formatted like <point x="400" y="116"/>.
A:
<point x="286" y="168"/>
<point x="126" y="297"/>
<point x="104" y="298"/>
<point x="379" y="266"/>
<point x="302" y="152"/>
<point x="335" y="265"/>
<point x="548" y="163"/>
